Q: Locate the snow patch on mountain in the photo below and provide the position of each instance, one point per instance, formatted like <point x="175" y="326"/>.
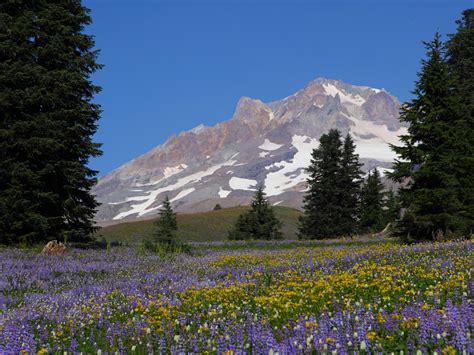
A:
<point x="333" y="91"/>
<point x="170" y="171"/>
<point x="271" y="115"/>
<point x="183" y="193"/>
<point x="267" y="145"/>
<point x="145" y="207"/>
<point x="377" y="146"/>
<point x="385" y="171"/>
<point x="223" y="193"/>
<point x="291" y="173"/>
<point x="237" y="183"/>
<point x="139" y="184"/>
<point x="167" y="172"/>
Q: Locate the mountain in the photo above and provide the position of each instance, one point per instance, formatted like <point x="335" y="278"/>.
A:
<point x="267" y="143"/>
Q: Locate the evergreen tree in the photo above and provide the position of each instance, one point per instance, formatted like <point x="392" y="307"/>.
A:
<point x="372" y="218"/>
<point x="166" y="225"/>
<point x="323" y="211"/>
<point x="460" y="59"/>
<point x="268" y="225"/>
<point x="432" y="205"/>
<point x="259" y="222"/>
<point x="350" y="180"/>
<point x="47" y="121"/>
<point x="242" y="228"/>
<point x="391" y="208"/>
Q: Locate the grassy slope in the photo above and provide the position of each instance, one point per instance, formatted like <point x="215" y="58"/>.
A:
<point x="204" y="226"/>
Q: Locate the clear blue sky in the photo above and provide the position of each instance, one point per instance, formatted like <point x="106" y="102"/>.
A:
<point x="171" y="65"/>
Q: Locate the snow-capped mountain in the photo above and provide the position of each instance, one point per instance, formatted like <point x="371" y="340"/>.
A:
<point x="268" y="143"/>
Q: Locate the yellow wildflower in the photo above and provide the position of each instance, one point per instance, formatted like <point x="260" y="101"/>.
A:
<point x="371" y="335"/>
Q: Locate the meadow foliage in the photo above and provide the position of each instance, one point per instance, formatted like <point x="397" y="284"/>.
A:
<point x="285" y="297"/>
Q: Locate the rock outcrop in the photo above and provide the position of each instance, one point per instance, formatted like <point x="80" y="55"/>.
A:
<point x="54" y="248"/>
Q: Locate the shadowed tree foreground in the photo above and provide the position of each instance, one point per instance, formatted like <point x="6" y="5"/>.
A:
<point x="47" y="122"/>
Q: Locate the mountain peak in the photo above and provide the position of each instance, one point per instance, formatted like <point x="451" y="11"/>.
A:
<point x="263" y="143"/>
<point x="252" y="111"/>
<point x="246" y="103"/>
<point x="196" y="130"/>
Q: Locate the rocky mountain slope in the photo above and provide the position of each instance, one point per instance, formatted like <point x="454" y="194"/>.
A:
<point x="267" y="143"/>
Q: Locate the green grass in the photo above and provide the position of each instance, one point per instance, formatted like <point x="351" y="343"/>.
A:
<point x="294" y="244"/>
<point x="198" y="227"/>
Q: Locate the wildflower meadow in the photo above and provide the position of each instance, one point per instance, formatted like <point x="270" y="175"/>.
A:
<point x="280" y="297"/>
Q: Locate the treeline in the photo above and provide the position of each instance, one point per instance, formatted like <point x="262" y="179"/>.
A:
<point x="435" y="165"/>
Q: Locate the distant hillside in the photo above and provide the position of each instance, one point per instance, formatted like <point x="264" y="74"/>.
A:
<point x="204" y="226"/>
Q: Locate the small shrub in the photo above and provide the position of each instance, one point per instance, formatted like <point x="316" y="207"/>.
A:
<point x="163" y="249"/>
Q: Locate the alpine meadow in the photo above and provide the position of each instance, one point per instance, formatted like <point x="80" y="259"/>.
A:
<point x="338" y="219"/>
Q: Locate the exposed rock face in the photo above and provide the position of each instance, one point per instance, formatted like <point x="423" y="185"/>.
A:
<point x="54" y="247"/>
<point x="268" y="143"/>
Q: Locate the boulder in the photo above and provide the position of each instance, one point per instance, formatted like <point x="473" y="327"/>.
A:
<point x="54" y="247"/>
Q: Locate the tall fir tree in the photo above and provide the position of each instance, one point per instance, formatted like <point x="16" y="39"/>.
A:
<point x="430" y="199"/>
<point x="47" y="121"/>
<point x="259" y="222"/>
<point x="166" y="225"/>
<point x="322" y="207"/>
<point x="350" y="181"/>
<point x="391" y="207"/>
<point x="460" y="59"/>
<point x="372" y="217"/>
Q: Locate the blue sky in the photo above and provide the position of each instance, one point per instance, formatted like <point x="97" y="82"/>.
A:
<point x="171" y="65"/>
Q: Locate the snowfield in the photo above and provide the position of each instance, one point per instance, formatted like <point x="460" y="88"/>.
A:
<point x="267" y="145"/>
<point x="291" y="173"/>
<point x="236" y="183"/>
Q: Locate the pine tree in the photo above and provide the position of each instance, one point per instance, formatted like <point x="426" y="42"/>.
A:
<point x="391" y="208"/>
<point x="166" y="225"/>
<point x="259" y="222"/>
<point x="432" y="206"/>
<point x="47" y="121"/>
<point x="242" y="228"/>
<point x="322" y="207"/>
<point x="268" y="225"/>
<point x="372" y="218"/>
<point x="460" y="59"/>
<point x="350" y="180"/>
